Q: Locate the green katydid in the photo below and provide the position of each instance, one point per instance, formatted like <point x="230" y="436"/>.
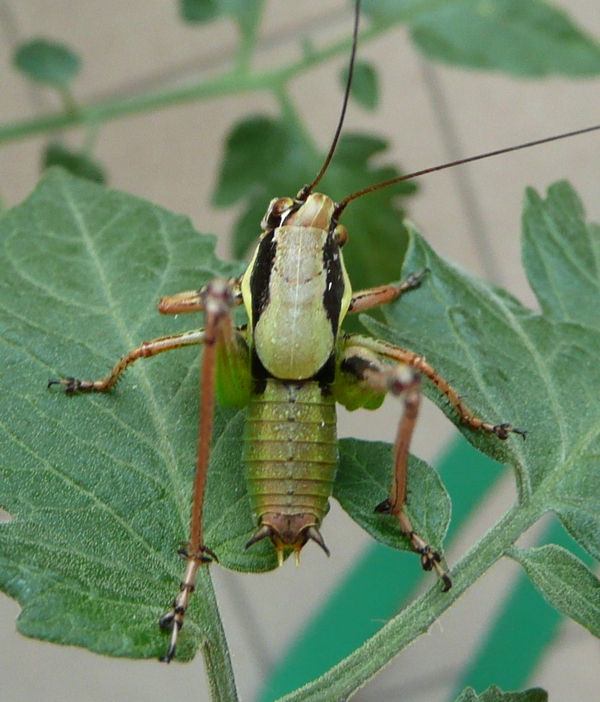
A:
<point x="290" y="366"/>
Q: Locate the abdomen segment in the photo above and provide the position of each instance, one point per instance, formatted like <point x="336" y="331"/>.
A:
<point x="291" y="459"/>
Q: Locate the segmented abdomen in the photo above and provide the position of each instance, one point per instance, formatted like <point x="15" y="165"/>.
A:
<point x="291" y="452"/>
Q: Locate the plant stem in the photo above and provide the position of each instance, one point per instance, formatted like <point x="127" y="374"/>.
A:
<point x="217" y="659"/>
<point x="345" y="678"/>
<point x="227" y="84"/>
<point x="248" y="24"/>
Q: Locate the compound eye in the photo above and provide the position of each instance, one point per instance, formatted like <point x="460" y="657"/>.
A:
<point x="278" y="208"/>
<point x="340" y="234"/>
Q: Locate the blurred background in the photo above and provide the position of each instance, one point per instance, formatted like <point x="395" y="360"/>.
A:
<point x="430" y="113"/>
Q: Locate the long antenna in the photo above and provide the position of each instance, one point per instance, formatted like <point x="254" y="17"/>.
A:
<point x="400" y="179"/>
<point x="309" y="188"/>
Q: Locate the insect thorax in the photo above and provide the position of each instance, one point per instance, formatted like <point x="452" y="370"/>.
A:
<point x="296" y="289"/>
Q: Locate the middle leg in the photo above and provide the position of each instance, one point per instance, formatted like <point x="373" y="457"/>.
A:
<point x="402" y="356"/>
<point x="146" y="349"/>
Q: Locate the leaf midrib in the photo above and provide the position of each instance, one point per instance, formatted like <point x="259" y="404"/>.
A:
<point x="166" y="446"/>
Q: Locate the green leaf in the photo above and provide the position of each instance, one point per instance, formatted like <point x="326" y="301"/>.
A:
<point x="47" y="62"/>
<point x="77" y="163"/>
<point x="201" y="11"/>
<point x="468" y="695"/>
<point x="564" y="581"/>
<point x="522" y="38"/>
<point x="99" y="487"/>
<point x="513" y="364"/>
<point x="559" y="247"/>
<point x="363" y="481"/>
<point x="577" y="503"/>
<point x="562" y="255"/>
<point x="517" y="366"/>
<point x="100" y="498"/>
<point x="267" y="158"/>
<point x="495" y="694"/>
<point x="365" y="86"/>
<point x="530" y="38"/>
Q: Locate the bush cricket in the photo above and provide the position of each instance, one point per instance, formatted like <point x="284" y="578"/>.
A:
<point x="290" y="365"/>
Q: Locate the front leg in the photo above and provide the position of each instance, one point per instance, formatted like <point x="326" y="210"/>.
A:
<point x="373" y="297"/>
<point x="194" y="300"/>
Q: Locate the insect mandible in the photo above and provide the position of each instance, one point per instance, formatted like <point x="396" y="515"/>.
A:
<point x="290" y="366"/>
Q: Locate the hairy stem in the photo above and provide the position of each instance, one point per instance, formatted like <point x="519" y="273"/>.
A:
<point x="215" y="650"/>
<point x="353" y="672"/>
<point x="248" y="25"/>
